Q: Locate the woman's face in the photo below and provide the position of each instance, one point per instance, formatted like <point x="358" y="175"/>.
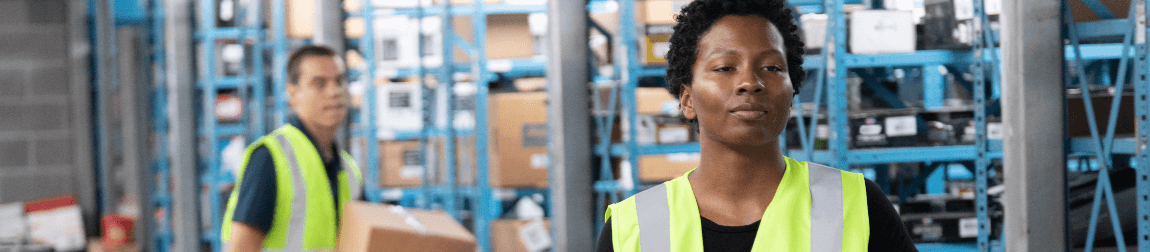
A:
<point x="740" y="91"/>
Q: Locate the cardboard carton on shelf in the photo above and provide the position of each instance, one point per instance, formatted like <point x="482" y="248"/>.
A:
<point x="666" y="167"/>
<point x="368" y="227"/>
<point x="519" y="140"/>
<point x="400" y="164"/>
<point x="520" y="235"/>
<point x="300" y="15"/>
<point x="509" y="36"/>
<point x="1082" y="13"/>
<point x="658" y="11"/>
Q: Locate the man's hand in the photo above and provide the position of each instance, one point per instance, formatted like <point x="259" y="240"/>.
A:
<point x="245" y="238"/>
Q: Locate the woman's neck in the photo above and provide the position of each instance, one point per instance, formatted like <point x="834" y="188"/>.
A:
<point x="734" y="184"/>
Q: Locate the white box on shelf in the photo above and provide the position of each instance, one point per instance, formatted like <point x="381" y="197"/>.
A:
<point x="881" y="31"/>
<point x="464" y="106"/>
<point x="399" y="107"/>
<point x="814" y="29"/>
<point x="396" y="42"/>
<point x="431" y="35"/>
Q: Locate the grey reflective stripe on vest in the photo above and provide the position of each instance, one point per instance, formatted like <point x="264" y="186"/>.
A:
<point x="826" y="208"/>
<point x="298" y="224"/>
<point x="353" y="184"/>
<point x="654" y="219"/>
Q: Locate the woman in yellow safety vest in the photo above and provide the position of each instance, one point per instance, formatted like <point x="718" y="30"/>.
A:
<point x="735" y="66"/>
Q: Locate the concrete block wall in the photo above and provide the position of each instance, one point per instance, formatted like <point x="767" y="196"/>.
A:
<point x="45" y="142"/>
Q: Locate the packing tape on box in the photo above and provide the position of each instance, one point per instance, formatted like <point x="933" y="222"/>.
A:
<point x="409" y="219"/>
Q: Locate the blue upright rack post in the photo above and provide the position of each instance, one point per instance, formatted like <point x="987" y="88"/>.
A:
<point x="248" y="84"/>
<point x="161" y="197"/>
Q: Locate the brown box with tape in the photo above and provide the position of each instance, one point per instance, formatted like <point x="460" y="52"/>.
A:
<point x="367" y="227"/>
<point x="520" y="235"/>
<point x="400" y="164"/>
<point x="519" y="140"/>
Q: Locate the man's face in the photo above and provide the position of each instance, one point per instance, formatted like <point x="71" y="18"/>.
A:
<point x="319" y="97"/>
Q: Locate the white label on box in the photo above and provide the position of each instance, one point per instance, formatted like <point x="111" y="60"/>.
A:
<point x="499" y="66"/>
<point x="670" y="135"/>
<point x="661" y="49"/>
<point x="683" y="157"/>
<point x="870" y="129"/>
<point x="968" y="227"/>
<point x="995" y="131"/>
<point x="897" y="126"/>
<point x="822" y="131"/>
<point x="534" y="236"/>
<point x="410" y="172"/>
<point x="540" y="161"/>
<point x="392" y="194"/>
<point x="994" y="7"/>
<point x="963" y="9"/>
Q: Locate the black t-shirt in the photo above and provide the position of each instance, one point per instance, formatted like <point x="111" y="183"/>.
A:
<point x="887" y="232"/>
<point x="257" y="194"/>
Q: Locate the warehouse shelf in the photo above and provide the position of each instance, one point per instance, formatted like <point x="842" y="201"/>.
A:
<point x="231" y="33"/>
<point x="507" y="67"/>
<point x="481" y="201"/>
<point x="464" y="10"/>
<point x="855" y="156"/>
<point x="224" y="130"/>
<point x="228" y="82"/>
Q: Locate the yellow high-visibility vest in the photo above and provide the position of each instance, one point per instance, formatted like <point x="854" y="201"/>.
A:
<point x="816" y="208"/>
<point x="305" y="213"/>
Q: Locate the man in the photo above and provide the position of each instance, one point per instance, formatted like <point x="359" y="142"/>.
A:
<point x="295" y="180"/>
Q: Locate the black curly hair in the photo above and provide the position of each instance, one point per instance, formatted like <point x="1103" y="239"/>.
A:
<point x="698" y="17"/>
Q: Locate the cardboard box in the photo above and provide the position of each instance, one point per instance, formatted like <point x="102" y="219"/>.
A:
<point x="814" y="30"/>
<point x="300" y="15"/>
<point x="508" y="37"/>
<point x="1082" y="13"/>
<point x="882" y="31"/>
<point x="400" y="164"/>
<point x="658" y="11"/>
<point x="463" y="103"/>
<point x="370" y="227"/>
<point x="353" y="27"/>
<point x="520" y="235"/>
<point x="519" y="139"/>
<point x="1078" y="124"/>
<point x="56" y="221"/>
<point x="655" y="101"/>
<point x="94" y="245"/>
<point x="396" y="42"/>
<point x="666" y="167"/>
<point x="655" y="48"/>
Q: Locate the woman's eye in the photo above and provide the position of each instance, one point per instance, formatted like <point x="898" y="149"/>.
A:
<point x="774" y="68"/>
<point x="724" y="69"/>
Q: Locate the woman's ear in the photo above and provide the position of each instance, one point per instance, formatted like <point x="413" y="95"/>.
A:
<point x="686" y="105"/>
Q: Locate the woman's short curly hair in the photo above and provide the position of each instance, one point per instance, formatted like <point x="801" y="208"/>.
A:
<point x="698" y="17"/>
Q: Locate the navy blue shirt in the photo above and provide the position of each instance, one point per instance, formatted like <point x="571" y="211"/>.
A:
<point x="257" y="193"/>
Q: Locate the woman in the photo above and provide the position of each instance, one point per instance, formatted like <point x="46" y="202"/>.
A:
<point x="735" y="66"/>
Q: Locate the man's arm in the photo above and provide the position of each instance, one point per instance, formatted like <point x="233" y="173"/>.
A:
<point x="245" y="238"/>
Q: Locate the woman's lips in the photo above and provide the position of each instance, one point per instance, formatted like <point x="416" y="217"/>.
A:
<point x="749" y="115"/>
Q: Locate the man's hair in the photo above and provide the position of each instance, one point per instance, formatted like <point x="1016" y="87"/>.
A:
<point x="698" y="17"/>
<point x="299" y="55"/>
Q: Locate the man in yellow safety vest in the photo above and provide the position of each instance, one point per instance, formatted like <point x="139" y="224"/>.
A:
<point x="293" y="182"/>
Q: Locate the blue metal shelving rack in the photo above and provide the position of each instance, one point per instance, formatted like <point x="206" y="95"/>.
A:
<point x="1102" y="151"/>
<point x="833" y="81"/>
<point x="161" y="197"/>
<point x="485" y="205"/>
<point x="250" y="87"/>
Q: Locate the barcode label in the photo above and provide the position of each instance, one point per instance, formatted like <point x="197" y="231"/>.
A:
<point x="534" y="237"/>
<point x="968" y="227"/>
<point x="540" y="161"/>
<point x="901" y="126"/>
